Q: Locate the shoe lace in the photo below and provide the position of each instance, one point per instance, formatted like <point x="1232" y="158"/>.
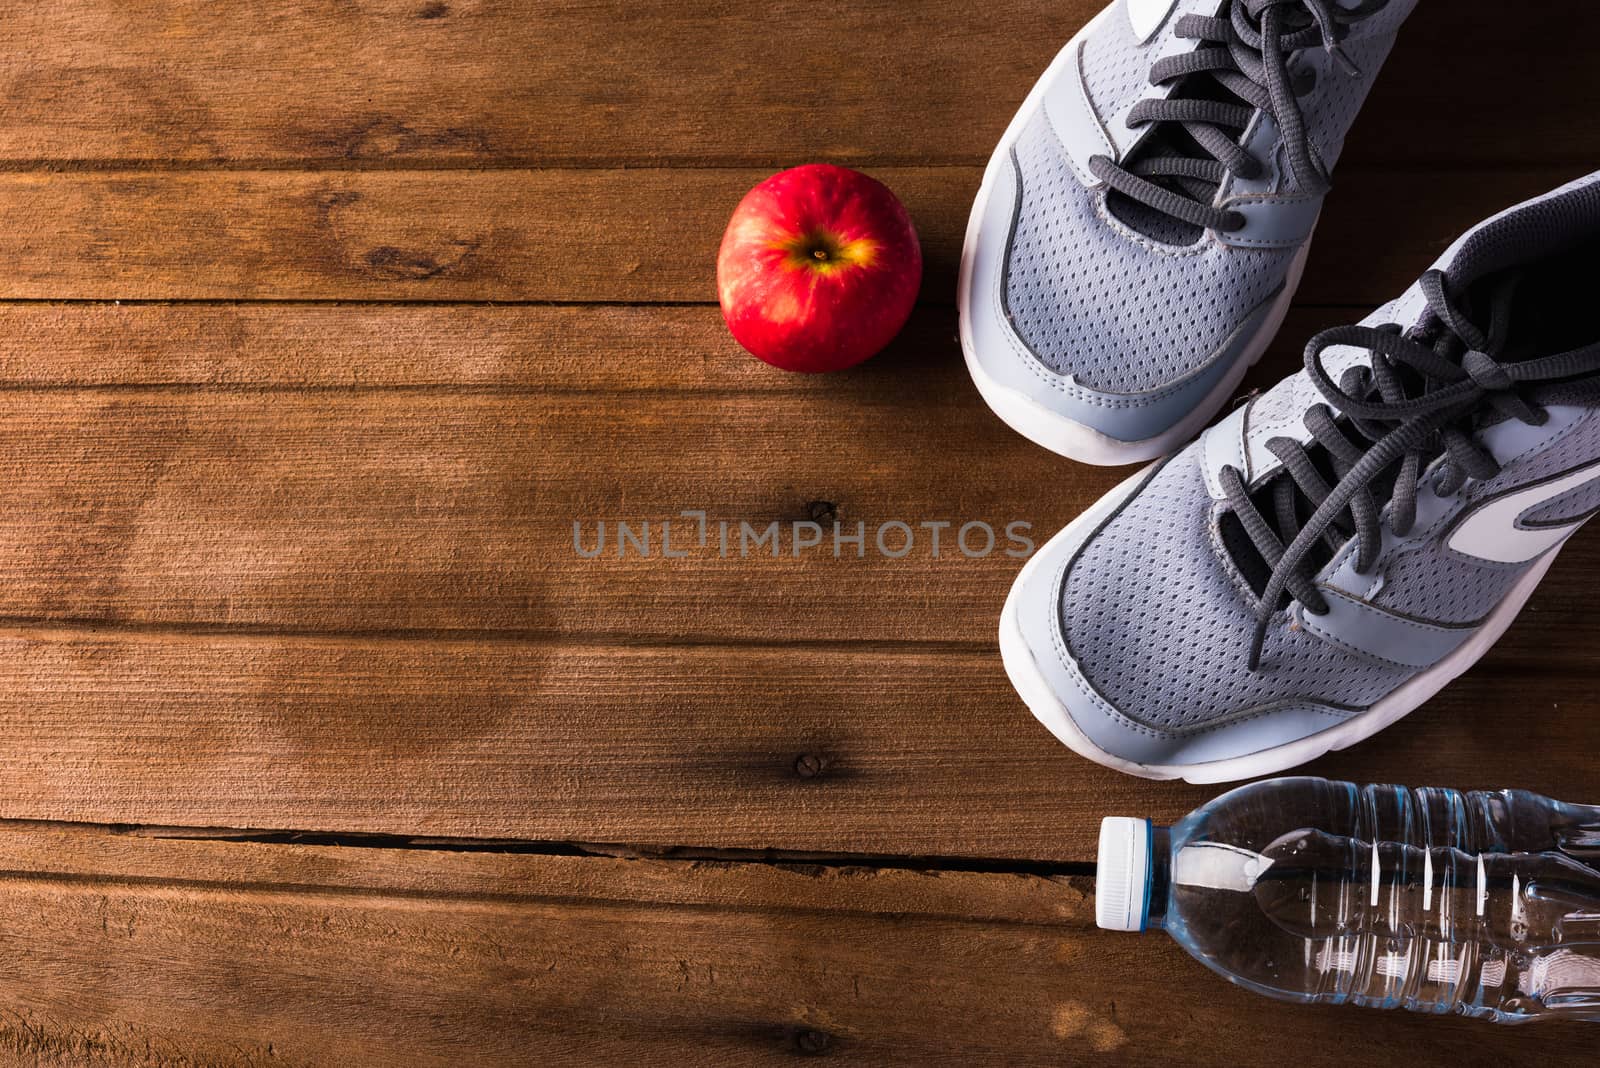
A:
<point x="1246" y="53"/>
<point x="1420" y="398"/>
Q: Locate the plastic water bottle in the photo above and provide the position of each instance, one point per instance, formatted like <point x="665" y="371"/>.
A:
<point x="1484" y="904"/>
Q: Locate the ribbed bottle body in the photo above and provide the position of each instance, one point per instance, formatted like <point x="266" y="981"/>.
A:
<point x="1430" y="899"/>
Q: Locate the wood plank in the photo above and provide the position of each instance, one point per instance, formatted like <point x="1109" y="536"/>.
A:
<point x="414" y="82"/>
<point x="159" y="952"/>
<point x="487" y="348"/>
<point x="534" y="235"/>
<point x="419" y="471"/>
<point x="600" y="348"/>
<point x="484" y="348"/>
<point x="861" y="750"/>
<point x="425" y="511"/>
<point x="616" y="350"/>
<point x="404" y="482"/>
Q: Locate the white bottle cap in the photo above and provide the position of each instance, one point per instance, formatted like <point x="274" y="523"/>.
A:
<point x="1122" y="878"/>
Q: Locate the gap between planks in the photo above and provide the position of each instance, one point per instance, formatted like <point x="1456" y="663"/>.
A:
<point x="268" y="861"/>
<point x="665" y="854"/>
<point x="146" y="951"/>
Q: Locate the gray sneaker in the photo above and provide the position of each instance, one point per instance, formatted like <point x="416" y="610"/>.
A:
<point x="1143" y="224"/>
<point x="1330" y="555"/>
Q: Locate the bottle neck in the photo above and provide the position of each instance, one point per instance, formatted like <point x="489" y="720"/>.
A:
<point x="1155" y="915"/>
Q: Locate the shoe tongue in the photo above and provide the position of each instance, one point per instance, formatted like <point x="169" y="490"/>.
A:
<point x="1265" y="499"/>
<point x="1477" y="297"/>
<point x="1167" y="139"/>
<point x="1242" y="549"/>
<point x="1170" y="139"/>
<point x="1158" y="226"/>
<point x="1548" y="313"/>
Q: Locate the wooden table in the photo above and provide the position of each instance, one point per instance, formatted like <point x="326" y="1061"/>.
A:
<point x="321" y="326"/>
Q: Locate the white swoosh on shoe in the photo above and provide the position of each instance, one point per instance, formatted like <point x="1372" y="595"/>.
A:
<point x="1146" y="16"/>
<point x="1495" y="531"/>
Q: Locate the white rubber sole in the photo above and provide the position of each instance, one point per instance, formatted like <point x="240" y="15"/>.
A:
<point x="1048" y="709"/>
<point x="1050" y="429"/>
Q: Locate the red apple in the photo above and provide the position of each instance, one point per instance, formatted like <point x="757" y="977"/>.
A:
<point x="819" y="268"/>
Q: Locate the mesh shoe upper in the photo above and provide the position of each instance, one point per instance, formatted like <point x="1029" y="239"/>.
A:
<point x="1121" y="298"/>
<point x="1116" y="67"/>
<point x="1157" y="607"/>
<point x="1113" y="309"/>
<point x="1159" y="624"/>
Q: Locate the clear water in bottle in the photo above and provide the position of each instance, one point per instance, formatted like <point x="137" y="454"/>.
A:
<point x="1485" y="904"/>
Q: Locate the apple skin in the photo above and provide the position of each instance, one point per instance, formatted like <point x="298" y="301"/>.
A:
<point x="819" y="269"/>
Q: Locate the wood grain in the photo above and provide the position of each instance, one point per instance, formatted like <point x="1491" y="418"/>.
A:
<point x="859" y="750"/>
<point x="468" y="83"/>
<point x="141" y="952"/>
<point x="399" y="511"/>
<point x="569" y="236"/>
<point x="391" y="489"/>
<point x="286" y="544"/>
<point x="489" y="84"/>
<point x="504" y="349"/>
<point x="418" y="471"/>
